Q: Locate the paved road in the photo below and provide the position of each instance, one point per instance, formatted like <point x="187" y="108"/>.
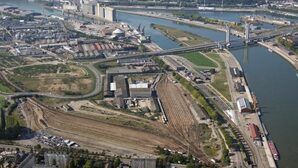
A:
<point x="99" y="76"/>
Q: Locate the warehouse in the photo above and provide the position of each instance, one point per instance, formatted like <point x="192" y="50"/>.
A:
<point x="143" y="163"/>
<point x="134" y="61"/>
<point x="254" y="132"/>
<point x="140" y="92"/>
<point x="121" y="86"/>
<point x="235" y="72"/>
<point x="107" y="91"/>
<point x="118" y="33"/>
<point x="244" y="105"/>
<point x="239" y="87"/>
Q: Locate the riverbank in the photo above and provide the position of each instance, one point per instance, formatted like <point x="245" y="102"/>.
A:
<point x="207" y="9"/>
<point x="212" y="9"/>
<point x="182" y="37"/>
<point x="292" y="59"/>
<point x="185" y="21"/>
<point x="264" y="157"/>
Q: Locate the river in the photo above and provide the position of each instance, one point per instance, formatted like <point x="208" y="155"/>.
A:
<point x="270" y="77"/>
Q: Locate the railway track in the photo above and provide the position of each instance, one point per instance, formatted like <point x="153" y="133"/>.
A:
<point x="180" y="119"/>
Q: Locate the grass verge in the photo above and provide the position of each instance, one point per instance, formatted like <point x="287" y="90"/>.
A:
<point x="199" y="59"/>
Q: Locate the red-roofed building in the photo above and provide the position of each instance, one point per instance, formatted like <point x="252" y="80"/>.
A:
<point x="254" y="132"/>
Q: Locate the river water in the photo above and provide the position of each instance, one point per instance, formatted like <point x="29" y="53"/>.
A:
<point x="270" y="77"/>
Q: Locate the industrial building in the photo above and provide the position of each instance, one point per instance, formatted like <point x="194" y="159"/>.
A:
<point x="244" y="105"/>
<point x="143" y="163"/>
<point x="68" y="5"/>
<point x="99" y="11"/>
<point x="135" y="61"/>
<point x="118" y="33"/>
<point x="121" y="86"/>
<point x="235" y="72"/>
<point x="254" y="132"/>
<point x="239" y="87"/>
<point x="59" y="160"/>
<point x="140" y="92"/>
<point x="106" y="89"/>
<point x="144" y="39"/>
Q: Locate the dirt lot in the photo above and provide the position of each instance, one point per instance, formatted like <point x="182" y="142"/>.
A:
<point x="93" y="133"/>
<point x="53" y="78"/>
<point x="181" y="122"/>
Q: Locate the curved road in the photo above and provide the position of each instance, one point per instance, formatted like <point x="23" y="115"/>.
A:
<point x="96" y="91"/>
<point x="99" y="76"/>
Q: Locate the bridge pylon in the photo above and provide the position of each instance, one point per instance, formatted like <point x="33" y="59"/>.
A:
<point x="228" y="35"/>
<point x="247" y="26"/>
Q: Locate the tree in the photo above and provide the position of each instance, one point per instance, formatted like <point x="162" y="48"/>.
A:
<point x="190" y="165"/>
<point x="117" y="162"/>
<point x="54" y="162"/>
<point x="37" y="147"/>
<point x="71" y="164"/>
<point x="88" y="164"/>
<point x="99" y="164"/>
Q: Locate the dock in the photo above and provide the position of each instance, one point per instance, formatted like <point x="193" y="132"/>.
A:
<point x="262" y="155"/>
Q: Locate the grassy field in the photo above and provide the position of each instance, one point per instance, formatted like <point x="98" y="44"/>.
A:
<point x="2" y="102"/>
<point x="59" y="79"/>
<point x="12" y="120"/>
<point x="220" y="81"/>
<point x="10" y="61"/>
<point x="183" y="37"/>
<point x="4" y="88"/>
<point x="212" y="149"/>
<point x="42" y="69"/>
<point x="198" y="59"/>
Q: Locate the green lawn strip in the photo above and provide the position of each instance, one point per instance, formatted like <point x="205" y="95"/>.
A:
<point x="220" y="81"/>
<point x="199" y="59"/>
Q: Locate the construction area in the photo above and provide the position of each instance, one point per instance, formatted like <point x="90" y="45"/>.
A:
<point x="106" y="129"/>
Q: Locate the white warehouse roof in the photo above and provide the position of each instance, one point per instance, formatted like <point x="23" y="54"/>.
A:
<point x="243" y="104"/>
<point x="139" y="85"/>
<point x="118" y="31"/>
<point x="113" y="86"/>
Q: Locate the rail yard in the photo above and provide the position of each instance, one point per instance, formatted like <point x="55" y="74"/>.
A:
<point x="86" y="81"/>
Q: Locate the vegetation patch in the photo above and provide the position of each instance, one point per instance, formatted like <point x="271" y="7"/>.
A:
<point x="58" y="79"/>
<point x="4" y="88"/>
<point x="3" y="103"/>
<point x="197" y="17"/>
<point x="183" y="37"/>
<point x="212" y="149"/>
<point x="220" y="81"/>
<point x="198" y="96"/>
<point x="35" y="70"/>
<point x="198" y="59"/>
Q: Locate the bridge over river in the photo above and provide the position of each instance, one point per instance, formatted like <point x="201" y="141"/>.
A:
<point x="97" y="89"/>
